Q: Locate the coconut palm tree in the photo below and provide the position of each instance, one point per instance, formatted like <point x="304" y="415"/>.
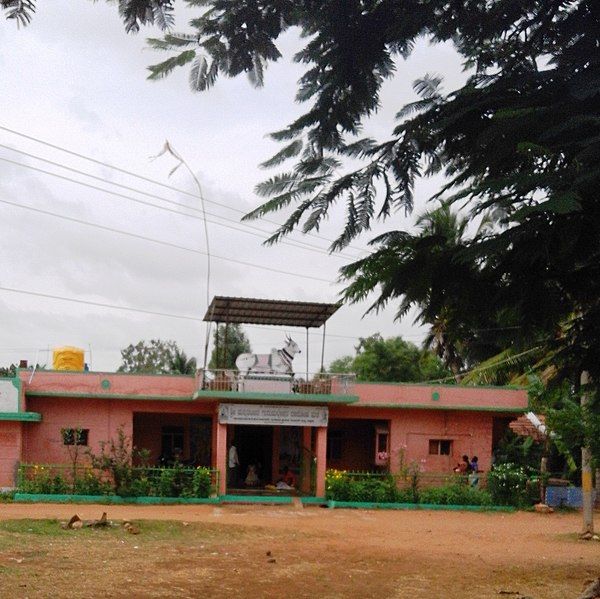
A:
<point x="181" y="364"/>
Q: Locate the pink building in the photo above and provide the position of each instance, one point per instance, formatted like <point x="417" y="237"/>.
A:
<point x="330" y="422"/>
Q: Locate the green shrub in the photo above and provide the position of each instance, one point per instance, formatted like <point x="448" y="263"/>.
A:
<point x="90" y="484"/>
<point x="455" y="494"/>
<point x="405" y="496"/>
<point x="141" y="487"/>
<point x="202" y="482"/>
<point x="7" y="496"/>
<point x="341" y="486"/>
<point x="42" y="481"/>
<point x="510" y="484"/>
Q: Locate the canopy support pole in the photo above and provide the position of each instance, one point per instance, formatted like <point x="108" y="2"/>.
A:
<point x="307" y="354"/>
<point x="323" y="347"/>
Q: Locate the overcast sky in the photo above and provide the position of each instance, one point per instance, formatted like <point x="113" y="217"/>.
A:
<point x="74" y="79"/>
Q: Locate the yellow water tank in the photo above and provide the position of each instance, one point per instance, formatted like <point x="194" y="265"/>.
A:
<point x="68" y="358"/>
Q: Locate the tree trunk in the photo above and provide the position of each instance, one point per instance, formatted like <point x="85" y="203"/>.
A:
<point x="586" y="467"/>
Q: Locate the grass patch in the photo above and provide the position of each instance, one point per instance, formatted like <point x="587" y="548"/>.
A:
<point x="155" y="530"/>
<point x="33" y="527"/>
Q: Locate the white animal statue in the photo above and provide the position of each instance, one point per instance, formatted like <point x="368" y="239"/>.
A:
<point x="278" y="361"/>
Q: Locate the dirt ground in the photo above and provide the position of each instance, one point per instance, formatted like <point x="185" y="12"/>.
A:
<point x="289" y="551"/>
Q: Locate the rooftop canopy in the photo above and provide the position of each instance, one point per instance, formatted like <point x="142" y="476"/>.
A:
<point x="245" y="310"/>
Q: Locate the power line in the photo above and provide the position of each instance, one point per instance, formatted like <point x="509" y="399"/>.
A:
<point x="158" y="241"/>
<point x="166" y="200"/>
<point x="153" y="181"/>
<point x="98" y="304"/>
<point x="157" y="206"/>
<point x="139" y="310"/>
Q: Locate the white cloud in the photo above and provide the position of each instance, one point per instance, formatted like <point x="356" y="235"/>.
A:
<point x="75" y="79"/>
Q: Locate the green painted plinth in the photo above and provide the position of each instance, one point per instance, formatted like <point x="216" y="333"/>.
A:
<point x="112" y="499"/>
<point x="418" y="506"/>
<point x="257" y="499"/>
<point x="314" y="501"/>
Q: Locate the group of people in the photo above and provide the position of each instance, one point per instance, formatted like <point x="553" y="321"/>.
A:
<point x="286" y="482"/>
<point x="470" y="468"/>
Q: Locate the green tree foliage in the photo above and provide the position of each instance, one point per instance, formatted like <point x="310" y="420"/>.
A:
<point x="133" y="12"/>
<point x="10" y="371"/>
<point x="181" y="364"/>
<point x="571" y="424"/>
<point x="518" y="142"/>
<point x="230" y="341"/>
<point x="393" y="359"/>
<point x="156" y="357"/>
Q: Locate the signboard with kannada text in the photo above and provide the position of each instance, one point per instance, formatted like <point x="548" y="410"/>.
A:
<point x="268" y="415"/>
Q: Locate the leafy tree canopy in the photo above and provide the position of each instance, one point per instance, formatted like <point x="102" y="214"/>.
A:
<point x="519" y="143"/>
<point x="229" y="342"/>
<point x="8" y="370"/>
<point x="392" y="359"/>
<point x="181" y="364"/>
<point x="156" y="357"/>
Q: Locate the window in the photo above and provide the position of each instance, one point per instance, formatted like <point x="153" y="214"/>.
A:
<point x="382" y="442"/>
<point x="440" y="447"/>
<point x="75" y="436"/>
<point x="334" y="445"/>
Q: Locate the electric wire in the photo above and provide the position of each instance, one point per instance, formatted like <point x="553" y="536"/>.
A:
<point x="157" y="206"/>
<point x="168" y="201"/>
<point x="99" y="304"/>
<point x="159" y="241"/>
<point x="153" y="181"/>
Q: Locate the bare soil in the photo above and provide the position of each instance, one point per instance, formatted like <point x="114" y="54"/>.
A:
<point x="288" y="551"/>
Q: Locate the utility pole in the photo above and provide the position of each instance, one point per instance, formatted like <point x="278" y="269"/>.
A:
<point x="586" y="465"/>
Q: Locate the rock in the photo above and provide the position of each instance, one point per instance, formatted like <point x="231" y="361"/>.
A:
<point x="98" y="523"/>
<point x="72" y="521"/>
<point x="269" y="553"/>
<point x="542" y="508"/>
<point x="271" y="560"/>
<point x="592" y="591"/>
<point x="131" y="528"/>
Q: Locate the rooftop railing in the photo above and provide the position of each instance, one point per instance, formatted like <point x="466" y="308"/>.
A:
<point x="315" y="384"/>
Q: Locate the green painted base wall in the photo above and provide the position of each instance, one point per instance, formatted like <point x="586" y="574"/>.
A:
<point x="250" y="499"/>
<point x="112" y="499"/>
<point x="419" y="506"/>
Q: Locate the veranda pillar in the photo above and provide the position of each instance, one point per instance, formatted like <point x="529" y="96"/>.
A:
<point x="321" y="453"/>
<point x="306" y="460"/>
<point x="220" y="453"/>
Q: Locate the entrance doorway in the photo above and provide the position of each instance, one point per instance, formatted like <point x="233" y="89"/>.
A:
<point x="255" y="448"/>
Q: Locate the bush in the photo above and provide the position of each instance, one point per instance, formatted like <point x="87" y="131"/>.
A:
<point x="141" y="487"/>
<point x="341" y="486"/>
<point x="455" y="494"/>
<point x="202" y="482"/>
<point x="7" y="496"/>
<point x="90" y="484"/>
<point x="42" y="481"/>
<point x="510" y="484"/>
<point x="344" y="486"/>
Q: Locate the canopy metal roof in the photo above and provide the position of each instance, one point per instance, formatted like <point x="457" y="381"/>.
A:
<point x="245" y="310"/>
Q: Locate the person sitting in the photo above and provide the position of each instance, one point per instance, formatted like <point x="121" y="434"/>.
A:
<point x="464" y="466"/>
<point x="474" y="471"/>
<point x="251" y="477"/>
<point x="287" y="481"/>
